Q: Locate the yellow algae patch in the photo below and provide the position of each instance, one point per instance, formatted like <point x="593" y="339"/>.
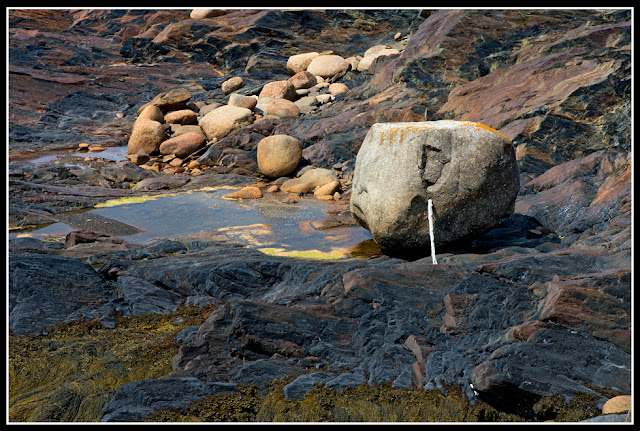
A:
<point x="127" y="200"/>
<point x="140" y="199"/>
<point x="42" y="236"/>
<point x="306" y="254"/>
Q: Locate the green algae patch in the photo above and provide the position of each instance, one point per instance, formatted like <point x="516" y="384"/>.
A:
<point x="69" y="374"/>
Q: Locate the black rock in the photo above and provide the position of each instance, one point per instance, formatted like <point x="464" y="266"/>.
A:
<point x="136" y="400"/>
<point x="45" y="290"/>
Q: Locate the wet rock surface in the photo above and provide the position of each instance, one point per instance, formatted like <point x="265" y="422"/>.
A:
<point x="538" y="307"/>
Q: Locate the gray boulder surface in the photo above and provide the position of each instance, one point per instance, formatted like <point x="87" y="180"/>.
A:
<point x="468" y="170"/>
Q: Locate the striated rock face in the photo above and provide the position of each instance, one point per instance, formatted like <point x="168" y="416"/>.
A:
<point x="534" y="311"/>
<point x="468" y="170"/>
<point x="80" y="291"/>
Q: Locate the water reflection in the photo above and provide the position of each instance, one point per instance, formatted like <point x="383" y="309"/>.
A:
<point x="116" y="154"/>
<point x="267" y="224"/>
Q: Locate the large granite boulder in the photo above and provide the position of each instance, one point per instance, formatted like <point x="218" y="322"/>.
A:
<point x="468" y="170"/>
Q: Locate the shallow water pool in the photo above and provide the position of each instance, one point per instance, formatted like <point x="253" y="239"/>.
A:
<point x="267" y="224"/>
<point x="116" y="154"/>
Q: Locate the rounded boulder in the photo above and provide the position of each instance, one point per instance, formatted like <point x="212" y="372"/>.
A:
<point x="617" y="405"/>
<point x="151" y="112"/>
<point x="368" y="59"/>
<point x="338" y="88"/>
<point x="183" y="145"/>
<point x="188" y="128"/>
<point x="172" y="100"/>
<point x="232" y="84"/>
<point x="206" y="13"/>
<point x="299" y="62"/>
<point x="224" y="120"/>
<point x="147" y="135"/>
<point x="328" y="65"/>
<point x="181" y="116"/>
<point x="303" y="80"/>
<point x="309" y="181"/>
<point x="278" y="155"/>
<point x="278" y="90"/>
<point x="468" y="171"/>
<point x="283" y="108"/>
<point x="243" y="101"/>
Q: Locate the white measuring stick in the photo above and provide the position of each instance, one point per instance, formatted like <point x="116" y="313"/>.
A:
<point x="433" y="245"/>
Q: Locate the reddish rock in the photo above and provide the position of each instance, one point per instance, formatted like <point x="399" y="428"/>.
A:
<point x="303" y="79"/>
<point x="279" y="90"/>
<point x="183" y="145"/>
<point x="457" y="307"/>
<point x="245" y="193"/>
<point x="182" y="116"/>
<point x="139" y="158"/>
<point x="173" y="100"/>
<point x="283" y="108"/>
<point x="522" y="332"/>
<point x="583" y="303"/>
